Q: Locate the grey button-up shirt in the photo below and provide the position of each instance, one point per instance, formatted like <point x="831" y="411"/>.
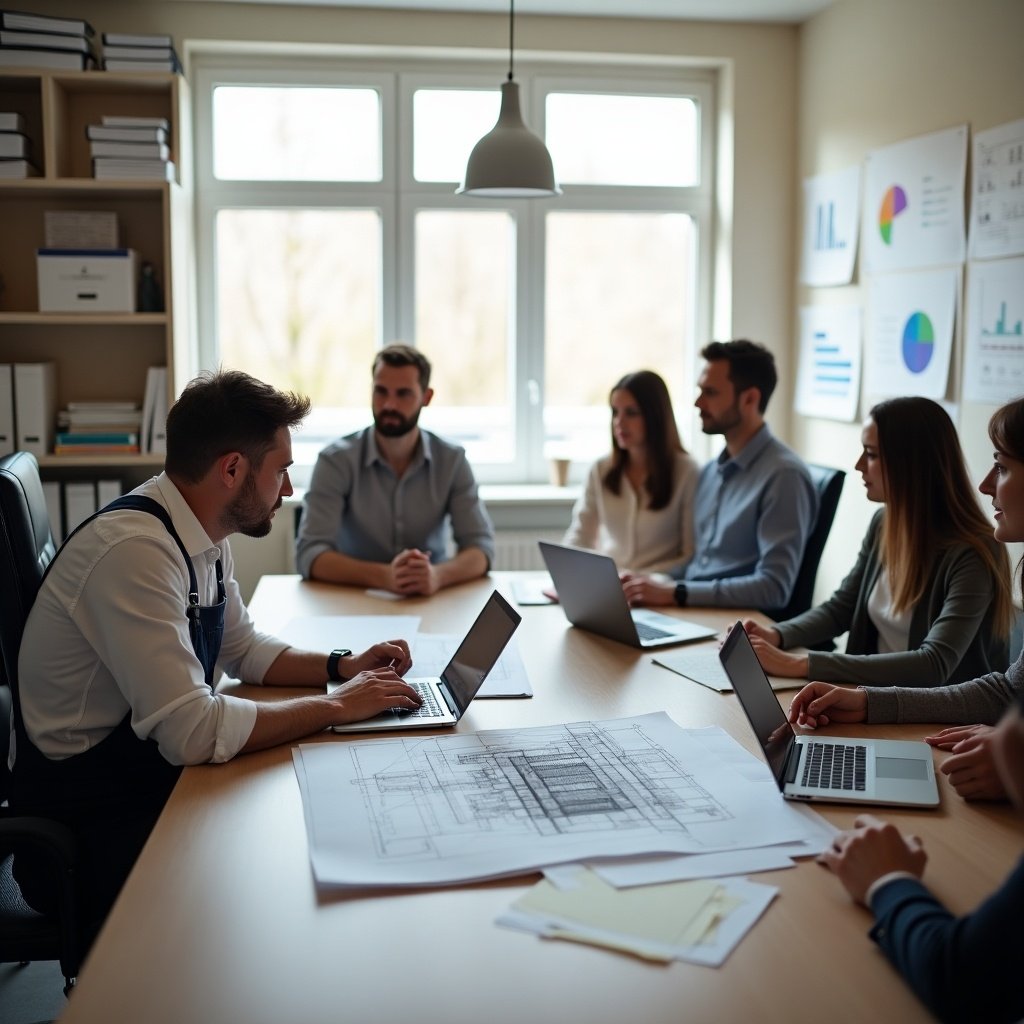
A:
<point x="358" y="506"/>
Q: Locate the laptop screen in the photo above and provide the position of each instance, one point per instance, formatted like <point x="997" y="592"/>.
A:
<point x="761" y="706"/>
<point x="480" y="649"/>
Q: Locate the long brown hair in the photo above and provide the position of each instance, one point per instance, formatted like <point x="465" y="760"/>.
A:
<point x="1006" y="432"/>
<point x="662" y="437"/>
<point x="930" y="504"/>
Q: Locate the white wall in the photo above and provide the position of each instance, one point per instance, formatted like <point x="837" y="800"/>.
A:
<point x="873" y="72"/>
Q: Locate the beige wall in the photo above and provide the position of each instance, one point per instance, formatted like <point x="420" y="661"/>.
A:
<point x="873" y="72"/>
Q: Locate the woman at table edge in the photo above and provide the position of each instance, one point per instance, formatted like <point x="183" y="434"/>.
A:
<point x="971" y="769"/>
<point x="637" y="503"/>
<point x="929" y="598"/>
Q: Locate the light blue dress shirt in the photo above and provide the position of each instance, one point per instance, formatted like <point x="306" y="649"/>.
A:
<point x="358" y="506"/>
<point x="752" y="517"/>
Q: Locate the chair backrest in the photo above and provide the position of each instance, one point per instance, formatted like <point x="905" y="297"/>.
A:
<point x="26" y="549"/>
<point x="829" y="484"/>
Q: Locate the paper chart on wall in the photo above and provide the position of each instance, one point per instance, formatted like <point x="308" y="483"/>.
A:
<point x="997" y="192"/>
<point x="994" y="332"/>
<point x="910" y="333"/>
<point x="831" y="215"/>
<point x="434" y="810"/>
<point x="828" y="378"/>
<point x="913" y="203"/>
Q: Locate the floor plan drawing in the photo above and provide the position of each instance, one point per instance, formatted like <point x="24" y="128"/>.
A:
<point x="586" y="777"/>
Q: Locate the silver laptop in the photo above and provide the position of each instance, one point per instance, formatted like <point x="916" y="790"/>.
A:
<point x="590" y="593"/>
<point x="832" y="768"/>
<point x="445" y="699"/>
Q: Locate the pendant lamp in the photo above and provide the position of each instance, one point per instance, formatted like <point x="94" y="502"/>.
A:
<point x="510" y="162"/>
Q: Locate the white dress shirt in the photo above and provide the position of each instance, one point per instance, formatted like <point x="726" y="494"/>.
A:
<point x="108" y="633"/>
<point x="625" y="528"/>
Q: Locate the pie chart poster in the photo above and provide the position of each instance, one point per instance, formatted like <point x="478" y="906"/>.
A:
<point x="914" y="203"/>
<point x="910" y="333"/>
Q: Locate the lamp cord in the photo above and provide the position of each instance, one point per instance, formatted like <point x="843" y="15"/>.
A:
<point x="511" y="24"/>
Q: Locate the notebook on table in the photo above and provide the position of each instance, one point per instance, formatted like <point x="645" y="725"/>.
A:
<point x="829" y="768"/>
<point x="446" y="698"/>
<point x="590" y="593"/>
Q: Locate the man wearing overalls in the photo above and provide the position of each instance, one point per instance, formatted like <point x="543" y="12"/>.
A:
<point x="134" y="619"/>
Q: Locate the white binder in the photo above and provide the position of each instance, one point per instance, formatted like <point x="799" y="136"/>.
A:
<point x="51" y="491"/>
<point x="35" y="406"/>
<point x="79" y="502"/>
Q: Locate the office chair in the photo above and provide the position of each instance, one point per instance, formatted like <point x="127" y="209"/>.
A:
<point x="829" y="484"/>
<point x="26" y="548"/>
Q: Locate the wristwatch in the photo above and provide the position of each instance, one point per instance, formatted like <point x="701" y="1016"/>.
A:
<point x="332" y="664"/>
<point x="681" y="594"/>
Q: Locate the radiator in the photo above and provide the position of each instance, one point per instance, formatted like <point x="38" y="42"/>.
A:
<point x="517" y="549"/>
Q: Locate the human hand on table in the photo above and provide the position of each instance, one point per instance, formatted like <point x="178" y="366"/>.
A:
<point x="817" y="704"/>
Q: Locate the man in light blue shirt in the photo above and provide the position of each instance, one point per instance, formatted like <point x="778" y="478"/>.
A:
<point x="755" y="504"/>
<point x="379" y="500"/>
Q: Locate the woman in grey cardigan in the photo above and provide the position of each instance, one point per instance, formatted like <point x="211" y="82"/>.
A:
<point x="929" y="598"/>
<point x="971" y="769"/>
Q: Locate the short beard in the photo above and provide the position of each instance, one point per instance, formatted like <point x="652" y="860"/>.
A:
<point x="247" y="514"/>
<point x="731" y="418"/>
<point x="393" y="428"/>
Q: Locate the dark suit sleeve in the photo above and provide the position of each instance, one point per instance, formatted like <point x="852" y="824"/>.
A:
<point x="962" y="969"/>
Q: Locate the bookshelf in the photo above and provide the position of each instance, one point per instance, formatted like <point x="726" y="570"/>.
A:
<point x="98" y="356"/>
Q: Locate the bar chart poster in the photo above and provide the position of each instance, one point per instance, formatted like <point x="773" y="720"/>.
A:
<point x="997" y="193"/>
<point x="994" y="333"/>
<point x="828" y="378"/>
<point x="831" y="216"/>
<point x="914" y="203"/>
<point x="909" y="333"/>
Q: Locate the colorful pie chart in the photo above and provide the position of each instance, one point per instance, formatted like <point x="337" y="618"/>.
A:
<point x="893" y="204"/>
<point x="918" y="342"/>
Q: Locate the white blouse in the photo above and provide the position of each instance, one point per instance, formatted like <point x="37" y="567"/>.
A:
<point x="622" y="526"/>
<point x="893" y="630"/>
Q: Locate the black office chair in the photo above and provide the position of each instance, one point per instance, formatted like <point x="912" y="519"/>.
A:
<point x="829" y="484"/>
<point x="26" y="548"/>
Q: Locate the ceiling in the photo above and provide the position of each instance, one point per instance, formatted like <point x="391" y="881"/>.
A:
<point x="793" y="11"/>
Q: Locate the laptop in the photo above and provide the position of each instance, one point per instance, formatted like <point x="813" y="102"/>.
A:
<point x="830" y="768"/>
<point x="445" y="699"/>
<point x="591" y="595"/>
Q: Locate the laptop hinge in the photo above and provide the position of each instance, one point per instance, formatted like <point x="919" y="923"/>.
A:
<point x="448" y="699"/>
<point x="792" y="763"/>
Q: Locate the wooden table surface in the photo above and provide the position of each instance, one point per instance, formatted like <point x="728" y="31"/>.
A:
<point x="220" y="922"/>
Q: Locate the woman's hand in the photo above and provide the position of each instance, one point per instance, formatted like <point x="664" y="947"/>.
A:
<point x="817" y="704"/>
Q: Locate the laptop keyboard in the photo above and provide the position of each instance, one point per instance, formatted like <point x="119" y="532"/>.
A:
<point x="835" y="766"/>
<point x="428" y="709"/>
<point x="648" y="632"/>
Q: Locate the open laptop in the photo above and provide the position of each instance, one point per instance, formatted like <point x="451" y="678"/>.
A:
<point x="832" y="768"/>
<point x="445" y="699"/>
<point x="590" y="593"/>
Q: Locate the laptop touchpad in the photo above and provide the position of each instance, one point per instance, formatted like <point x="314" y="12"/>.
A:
<point x="900" y="768"/>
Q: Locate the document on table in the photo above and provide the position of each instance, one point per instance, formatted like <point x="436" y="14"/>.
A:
<point x="701" y="665"/>
<point x="698" y="921"/>
<point x="433" y="810"/>
<point x="431" y="653"/>
<point x="536" y="589"/>
<point x="357" y="632"/>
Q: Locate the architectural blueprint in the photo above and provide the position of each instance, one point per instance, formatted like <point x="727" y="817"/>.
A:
<point x="439" y="809"/>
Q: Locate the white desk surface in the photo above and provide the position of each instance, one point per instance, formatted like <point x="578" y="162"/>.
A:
<point x="220" y="922"/>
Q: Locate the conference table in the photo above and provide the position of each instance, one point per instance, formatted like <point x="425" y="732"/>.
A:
<point x="220" y="921"/>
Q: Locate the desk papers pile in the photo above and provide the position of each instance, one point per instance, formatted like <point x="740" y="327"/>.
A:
<point x="460" y="807"/>
<point x="701" y="665"/>
<point x="699" y="921"/>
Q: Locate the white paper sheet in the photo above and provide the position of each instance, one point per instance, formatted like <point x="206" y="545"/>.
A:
<point x="357" y="632"/>
<point x="411" y="811"/>
<point x="702" y="665"/>
<point x="997" y="192"/>
<point x="431" y="653"/>
<point x="913" y="203"/>
<point x="831" y="215"/>
<point x="828" y="379"/>
<point x="994" y="333"/>
<point x="910" y="333"/>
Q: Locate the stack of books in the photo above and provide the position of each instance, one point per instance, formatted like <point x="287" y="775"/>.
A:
<point x="98" y="428"/>
<point x="15" y="147"/>
<point x="39" y="41"/>
<point x="131" y="147"/>
<point x="123" y="52"/>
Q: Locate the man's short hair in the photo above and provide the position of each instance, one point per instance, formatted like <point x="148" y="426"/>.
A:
<point x="404" y="355"/>
<point x="227" y="411"/>
<point x="751" y="365"/>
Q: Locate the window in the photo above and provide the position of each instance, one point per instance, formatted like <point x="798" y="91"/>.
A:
<point x="329" y="226"/>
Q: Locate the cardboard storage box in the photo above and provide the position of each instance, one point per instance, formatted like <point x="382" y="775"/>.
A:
<point x="86" y="280"/>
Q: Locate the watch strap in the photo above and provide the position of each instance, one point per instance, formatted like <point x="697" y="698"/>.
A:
<point x="332" y="664"/>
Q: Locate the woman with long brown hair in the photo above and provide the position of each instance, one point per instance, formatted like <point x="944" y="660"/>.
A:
<point x="637" y="505"/>
<point x="929" y="599"/>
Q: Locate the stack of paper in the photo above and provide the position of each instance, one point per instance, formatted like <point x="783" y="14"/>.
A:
<point x="699" y="921"/>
